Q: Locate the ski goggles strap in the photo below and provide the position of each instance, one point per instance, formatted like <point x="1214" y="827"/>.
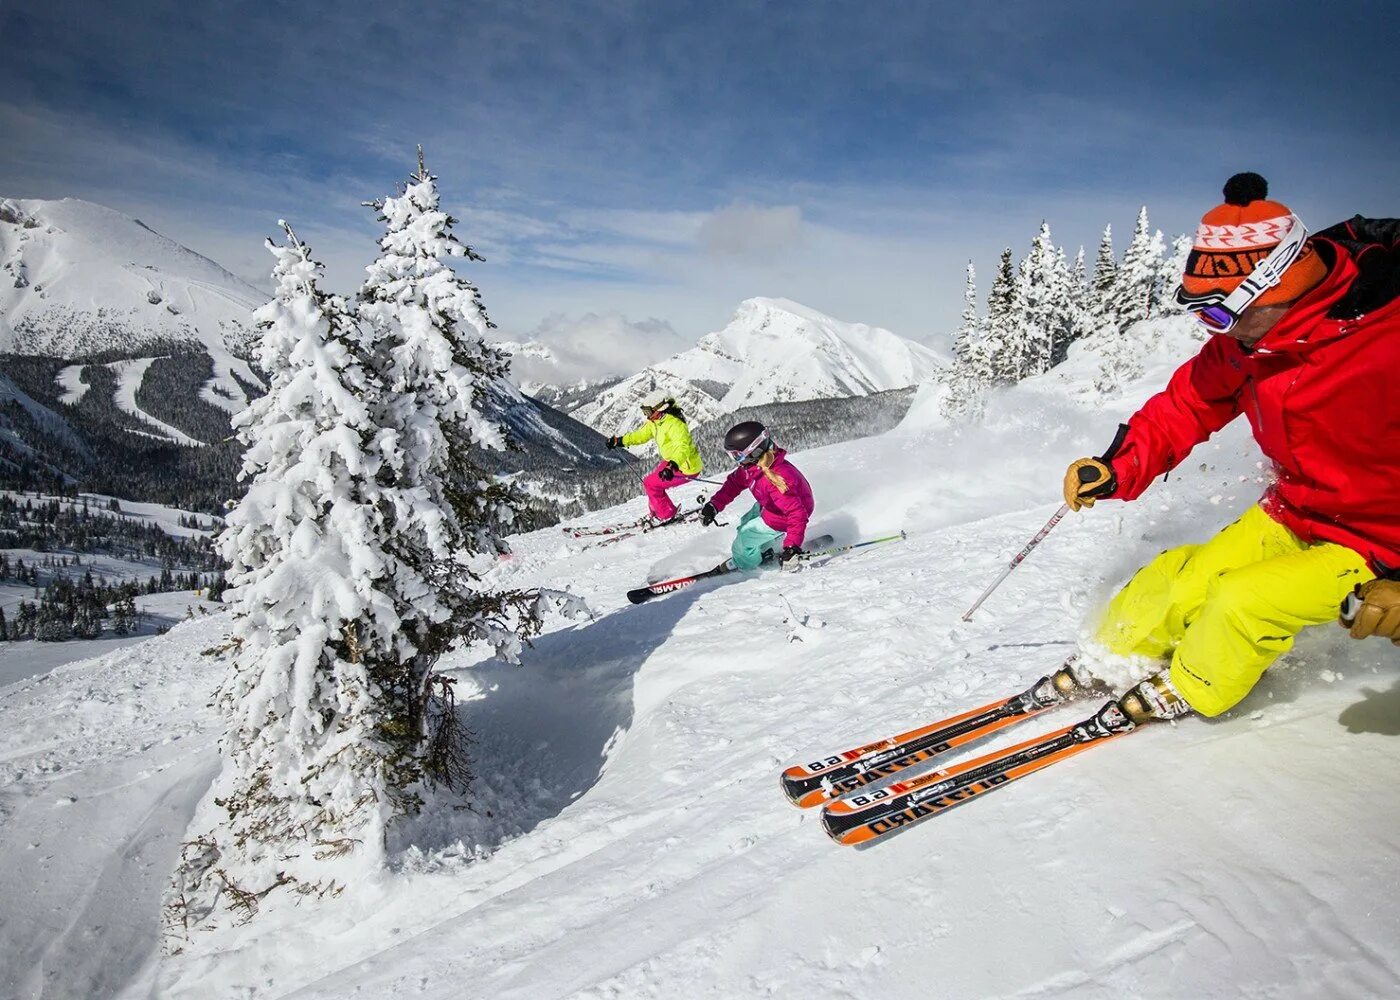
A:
<point x="1220" y="311"/>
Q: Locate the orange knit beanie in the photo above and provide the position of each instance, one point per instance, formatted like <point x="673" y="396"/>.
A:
<point x="1234" y="237"/>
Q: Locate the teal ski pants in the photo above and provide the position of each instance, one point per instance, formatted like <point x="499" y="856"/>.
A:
<point x="753" y="539"/>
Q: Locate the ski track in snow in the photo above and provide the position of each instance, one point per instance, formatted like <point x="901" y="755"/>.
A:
<point x="627" y="836"/>
<point x="129" y="375"/>
<point x="70" y="380"/>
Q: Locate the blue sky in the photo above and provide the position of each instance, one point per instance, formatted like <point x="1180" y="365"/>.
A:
<point x="633" y="170"/>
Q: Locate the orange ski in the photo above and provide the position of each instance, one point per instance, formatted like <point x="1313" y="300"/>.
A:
<point x="864" y="817"/>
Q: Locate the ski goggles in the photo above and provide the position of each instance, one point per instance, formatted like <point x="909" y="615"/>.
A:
<point x="751" y="454"/>
<point x="1220" y="311"/>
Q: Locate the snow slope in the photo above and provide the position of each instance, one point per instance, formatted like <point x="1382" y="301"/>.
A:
<point x="772" y="351"/>
<point x="628" y="838"/>
<point x="86" y="278"/>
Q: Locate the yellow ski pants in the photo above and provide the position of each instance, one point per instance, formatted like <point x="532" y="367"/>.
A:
<point x="1225" y="610"/>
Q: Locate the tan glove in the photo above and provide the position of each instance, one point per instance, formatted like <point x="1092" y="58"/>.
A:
<point x="1086" y="480"/>
<point x="1373" y="608"/>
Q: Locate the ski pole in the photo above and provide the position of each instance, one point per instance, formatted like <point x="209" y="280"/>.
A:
<point x="837" y="549"/>
<point x="1039" y="537"/>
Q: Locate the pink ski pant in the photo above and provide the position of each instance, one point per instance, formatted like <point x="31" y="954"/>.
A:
<point x="662" y="507"/>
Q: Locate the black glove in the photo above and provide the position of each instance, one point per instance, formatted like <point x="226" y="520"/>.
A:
<point x="614" y="442"/>
<point x="708" y="514"/>
<point x="790" y="558"/>
<point x="668" y="471"/>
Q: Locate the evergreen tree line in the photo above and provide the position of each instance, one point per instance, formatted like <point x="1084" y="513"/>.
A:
<point x="84" y="608"/>
<point x="51" y="524"/>
<point x="1040" y="305"/>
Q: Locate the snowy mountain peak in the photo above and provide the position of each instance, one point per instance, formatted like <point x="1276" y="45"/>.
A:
<point x="773" y="350"/>
<point x="78" y="278"/>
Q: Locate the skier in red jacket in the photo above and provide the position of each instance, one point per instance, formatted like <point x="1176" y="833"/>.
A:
<point x="1306" y="346"/>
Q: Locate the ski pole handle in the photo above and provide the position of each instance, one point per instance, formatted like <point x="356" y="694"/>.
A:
<point x="1039" y="537"/>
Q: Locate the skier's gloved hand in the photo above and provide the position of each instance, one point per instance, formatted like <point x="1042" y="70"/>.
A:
<point x="790" y="559"/>
<point x="668" y="471"/>
<point x="1086" y="480"/>
<point x="614" y="442"/>
<point x="708" y="514"/>
<point x="1373" y="608"/>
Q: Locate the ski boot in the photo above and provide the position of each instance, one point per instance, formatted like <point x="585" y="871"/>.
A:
<point x="1154" y="698"/>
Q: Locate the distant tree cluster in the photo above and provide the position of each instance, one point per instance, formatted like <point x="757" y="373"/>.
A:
<point x="1040" y="305"/>
<point x="50" y="524"/>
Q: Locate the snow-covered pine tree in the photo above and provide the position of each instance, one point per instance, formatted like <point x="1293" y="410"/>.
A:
<point x="312" y="770"/>
<point x="1001" y="306"/>
<point x="1003" y="360"/>
<point x="969" y="374"/>
<point x="1063" y="300"/>
<point x="447" y="515"/>
<point x="1136" y="278"/>
<point x="1105" y="274"/>
<point x="1037" y="325"/>
<point x="1081" y="319"/>
<point x="965" y="341"/>
<point x="1169" y="276"/>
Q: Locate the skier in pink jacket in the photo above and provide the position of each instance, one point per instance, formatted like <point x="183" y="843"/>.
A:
<point x="783" y="494"/>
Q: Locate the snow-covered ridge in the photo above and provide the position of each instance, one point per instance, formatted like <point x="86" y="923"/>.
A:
<point x="772" y="351"/>
<point x="78" y="278"/>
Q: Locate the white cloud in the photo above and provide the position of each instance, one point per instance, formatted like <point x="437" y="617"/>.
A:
<point x="751" y="231"/>
<point x="594" y="346"/>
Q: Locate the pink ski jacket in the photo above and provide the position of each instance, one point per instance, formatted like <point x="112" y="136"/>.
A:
<point x="782" y="510"/>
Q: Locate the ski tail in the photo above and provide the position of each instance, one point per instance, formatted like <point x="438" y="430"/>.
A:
<point x="867" y="816"/>
<point x="838" y="774"/>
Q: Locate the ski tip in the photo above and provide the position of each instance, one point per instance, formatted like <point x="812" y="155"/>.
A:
<point x="640" y="595"/>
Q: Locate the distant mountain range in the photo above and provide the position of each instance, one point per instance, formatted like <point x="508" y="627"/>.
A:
<point x="124" y="354"/>
<point x="772" y="351"/>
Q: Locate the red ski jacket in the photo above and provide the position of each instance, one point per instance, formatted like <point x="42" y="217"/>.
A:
<point x="1321" y="391"/>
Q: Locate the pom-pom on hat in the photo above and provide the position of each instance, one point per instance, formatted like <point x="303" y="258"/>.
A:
<point x="1234" y="237"/>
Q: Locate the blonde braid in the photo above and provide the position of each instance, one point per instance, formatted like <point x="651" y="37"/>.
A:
<point x="765" y="465"/>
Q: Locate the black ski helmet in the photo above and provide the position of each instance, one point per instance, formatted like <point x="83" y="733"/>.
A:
<point x="747" y="442"/>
